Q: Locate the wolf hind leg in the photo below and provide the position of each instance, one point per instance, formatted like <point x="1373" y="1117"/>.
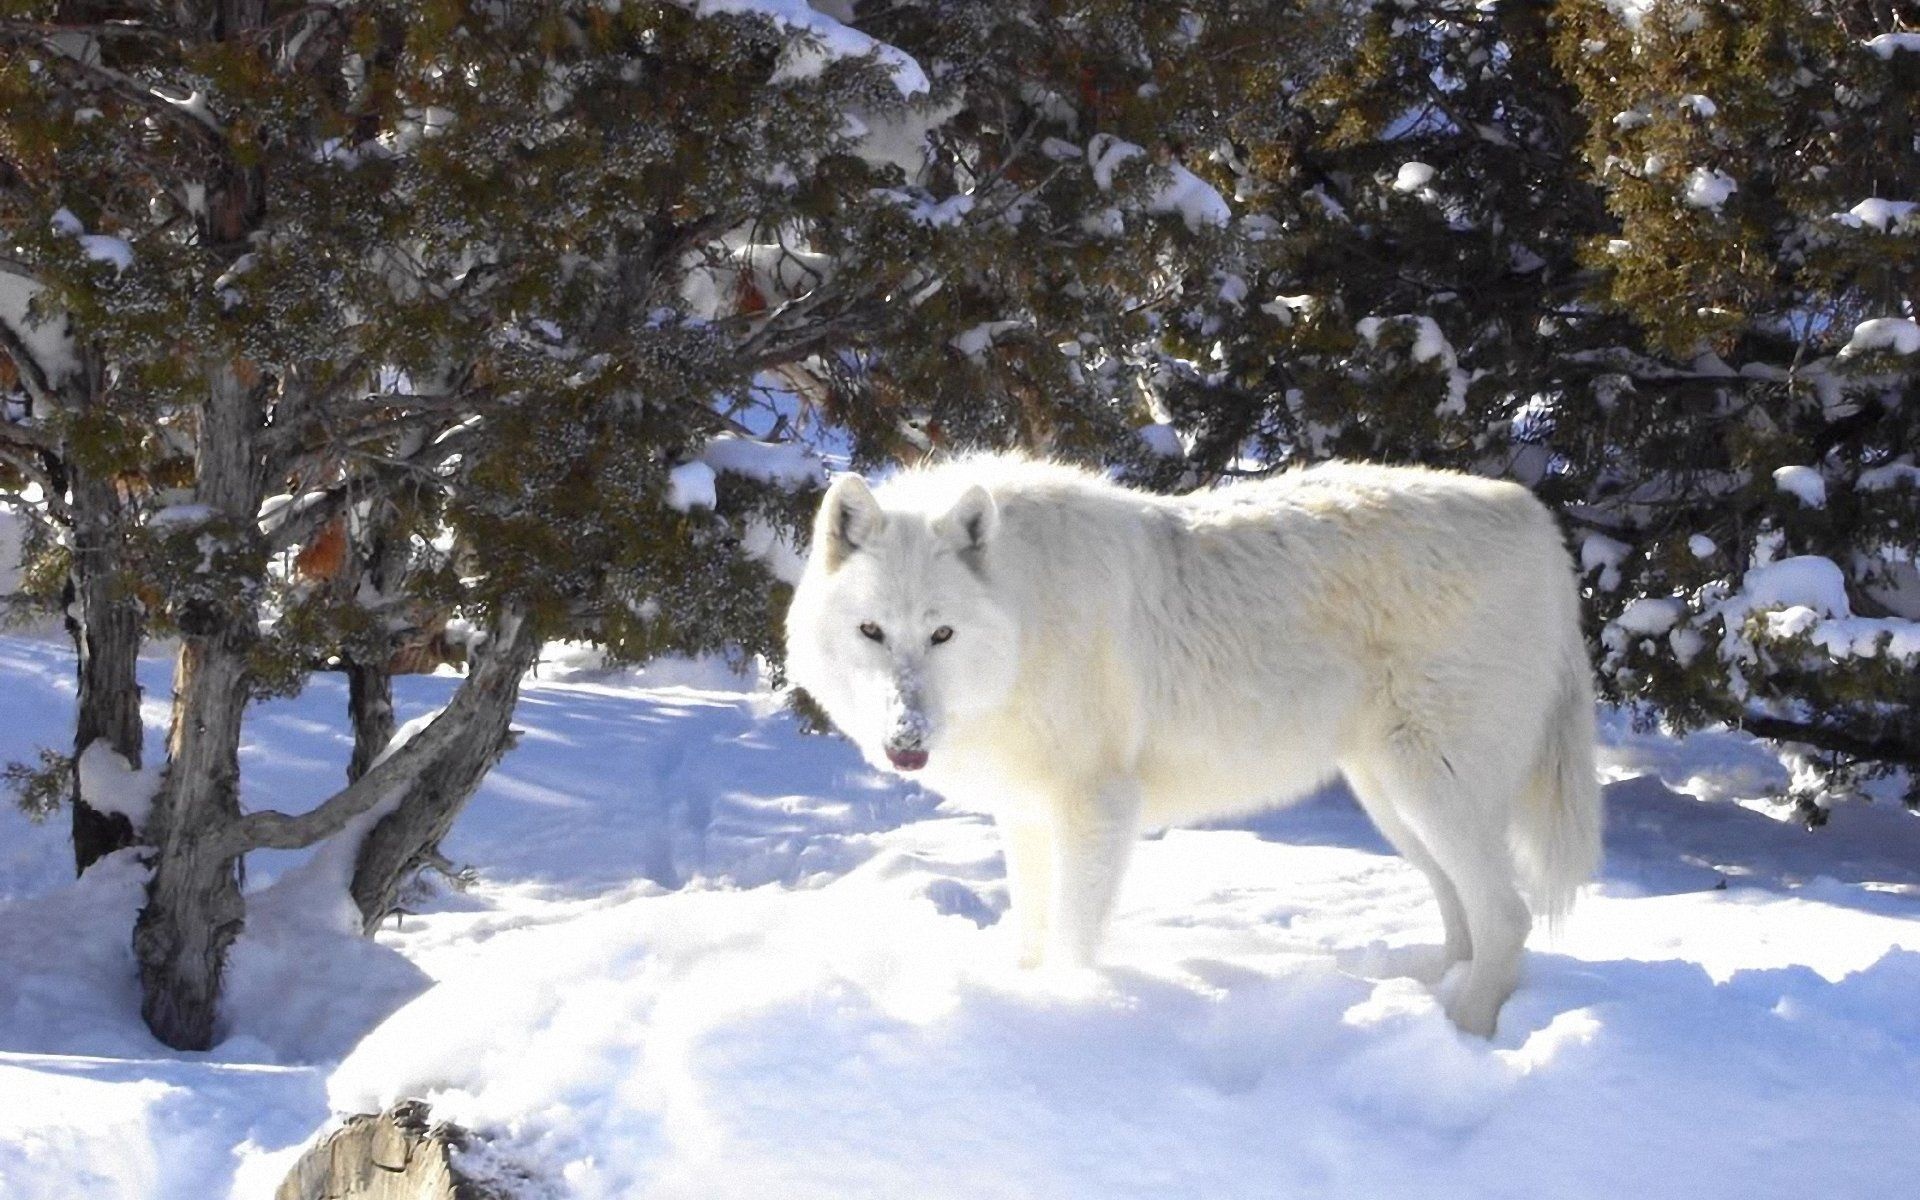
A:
<point x="1382" y="810"/>
<point x="1460" y="816"/>
<point x="1093" y="838"/>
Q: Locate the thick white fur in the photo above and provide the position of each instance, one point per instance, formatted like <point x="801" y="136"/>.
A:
<point x="1119" y="660"/>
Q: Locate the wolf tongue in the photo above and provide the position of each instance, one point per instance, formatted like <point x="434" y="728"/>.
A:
<point x="907" y="760"/>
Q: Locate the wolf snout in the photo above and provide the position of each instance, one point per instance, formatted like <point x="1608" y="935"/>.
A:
<point x="907" y="725"/>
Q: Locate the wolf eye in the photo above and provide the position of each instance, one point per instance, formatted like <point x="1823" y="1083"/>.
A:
<point x="872" y="632"/>
<point x="942" y="634"/>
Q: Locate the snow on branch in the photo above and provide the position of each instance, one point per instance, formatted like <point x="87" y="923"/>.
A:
<point x="1889" y="748"/>
<point x="111" y="784"/>
<point x="1886" y="44"/>
<point x="39" y="343"/>
<point x="1898" y="335"/>
<point x="823" y="39"/>
<point x="788" y="466"/>
<point x="725" y="280"/>
<point x="83" y="52"/>
<point x="1886" y="216"/>
<point x="1184" y="194"/>
<point x="1429" y="345"/>
<point x="288" y="521"/>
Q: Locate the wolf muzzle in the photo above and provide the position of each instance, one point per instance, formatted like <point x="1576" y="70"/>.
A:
<point x="907" y="726"/>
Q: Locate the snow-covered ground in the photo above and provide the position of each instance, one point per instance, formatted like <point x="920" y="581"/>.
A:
<point x="709" y="956"/>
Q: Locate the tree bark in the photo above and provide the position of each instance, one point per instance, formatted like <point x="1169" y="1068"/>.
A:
<point x="395" y="775"/>
<point x="102" y="613"/>
<point x="370" y="670"/>
<point x="409" y="836"/>
<point x="194" y="909"/>
<point x="400" y="1154"/>
<point x="194" y="906"/>
<point x="104" y="620"/>
<point x="370" y="708"/>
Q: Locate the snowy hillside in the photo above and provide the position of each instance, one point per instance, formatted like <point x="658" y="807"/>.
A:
<point x="708" y="956"/>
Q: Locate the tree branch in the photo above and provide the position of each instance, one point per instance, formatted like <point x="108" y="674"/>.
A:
<point x="271" y="830"/>
<point x="148" y="96"/>
<point x="1891" y="748"/>
<point x="33" y="373"/>
<point x="375" y="478"/>
<point x="57" y="512"/>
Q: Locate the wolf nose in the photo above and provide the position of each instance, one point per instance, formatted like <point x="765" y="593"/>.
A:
<point x="907" y="760"/>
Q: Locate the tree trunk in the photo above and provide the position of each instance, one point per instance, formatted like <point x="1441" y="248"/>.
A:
<point x="104" y="620"/>
<point x="400" y="1154"/>
<point x="103" y="615"/>
<point x="370" y="707"/>
<point x="194" y="909"/>
<point x="409" y="837"/>
<point x="377" y="565"/>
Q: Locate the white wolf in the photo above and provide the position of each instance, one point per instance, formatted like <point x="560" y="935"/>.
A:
<point x="1080" y="660"/>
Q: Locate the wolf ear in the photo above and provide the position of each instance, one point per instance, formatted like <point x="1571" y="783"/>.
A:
<point x="849" y="518"/>
<point x="970" y="524"/>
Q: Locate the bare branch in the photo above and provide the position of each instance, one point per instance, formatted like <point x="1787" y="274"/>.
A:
<point x="1873" y="748"/>
<point x="271" y="830"/>
<point x="184" y="109"/>
<point x="99" y="29"/>
<point x="50" y="492"/>
<point x="376" y="474"/>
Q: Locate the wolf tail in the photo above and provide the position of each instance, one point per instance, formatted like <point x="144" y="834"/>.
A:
<point x="1556" y="830"/>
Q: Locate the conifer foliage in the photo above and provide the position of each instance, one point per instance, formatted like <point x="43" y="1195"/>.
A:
<point x="1654" y="258"/>
<point x="1756" y="460"/>
<point x="387" y="310"/>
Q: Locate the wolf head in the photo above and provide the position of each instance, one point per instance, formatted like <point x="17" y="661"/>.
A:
<point x="895" y="627"/>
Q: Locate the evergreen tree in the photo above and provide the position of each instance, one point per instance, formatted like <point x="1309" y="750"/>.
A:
<point x="1755" y="459"/>
<point x="57" y="476"/>
<point x="1654" y="259"/>
<point x="448" y="280"/>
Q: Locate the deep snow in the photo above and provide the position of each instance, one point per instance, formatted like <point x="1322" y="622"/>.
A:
<point x="708" y="956"/>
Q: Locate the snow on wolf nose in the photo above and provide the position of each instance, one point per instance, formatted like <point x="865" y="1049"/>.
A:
<point x="906" y="743"/>
<point x="907" y="723"/>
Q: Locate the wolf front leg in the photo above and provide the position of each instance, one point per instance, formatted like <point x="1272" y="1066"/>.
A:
<point x="1027" y="843"/>
<point x="1093" y="836"/>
